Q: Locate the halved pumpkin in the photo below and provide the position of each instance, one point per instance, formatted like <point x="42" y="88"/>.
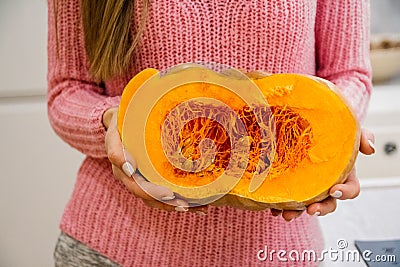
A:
<point x="295" y="146"/>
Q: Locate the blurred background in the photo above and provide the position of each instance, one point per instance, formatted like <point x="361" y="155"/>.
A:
<point x="38" y="169"/>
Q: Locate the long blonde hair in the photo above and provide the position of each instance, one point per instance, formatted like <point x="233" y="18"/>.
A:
<point x="107" y="28"/>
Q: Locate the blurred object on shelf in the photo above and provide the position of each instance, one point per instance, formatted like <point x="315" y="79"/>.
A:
<point x="385" y="57"/>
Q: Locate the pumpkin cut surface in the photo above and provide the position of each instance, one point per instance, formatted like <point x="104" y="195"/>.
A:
<point x="306" y="142"/>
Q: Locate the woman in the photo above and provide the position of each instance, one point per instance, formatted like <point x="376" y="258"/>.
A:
<point x="95" y="47"/>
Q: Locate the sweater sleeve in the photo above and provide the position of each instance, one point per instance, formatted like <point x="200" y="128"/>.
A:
<point x="342" y="45"/>
<point x="75" y="101"/>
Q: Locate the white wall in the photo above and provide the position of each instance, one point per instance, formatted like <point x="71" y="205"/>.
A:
<point x="37" y="175"/>
<point x="385" y="16"/>
<point x="37" y="170"/>
<point x="23" y="33"/>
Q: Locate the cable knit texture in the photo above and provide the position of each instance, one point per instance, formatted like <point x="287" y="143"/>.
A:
<point x="324" y="38"/>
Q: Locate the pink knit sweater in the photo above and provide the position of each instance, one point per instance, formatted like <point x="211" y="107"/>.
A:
<point x="324" y="38"/>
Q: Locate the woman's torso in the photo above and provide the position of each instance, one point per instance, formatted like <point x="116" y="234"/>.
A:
<point x="275" y="36"/>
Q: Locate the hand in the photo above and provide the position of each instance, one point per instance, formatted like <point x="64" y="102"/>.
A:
<point x="348" y="190"/>
<point x="125" y="171"/>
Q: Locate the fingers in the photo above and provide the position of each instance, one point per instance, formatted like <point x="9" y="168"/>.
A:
<point x="367" y="142"/>
<point x="114" y="147"/>
<point x="290" y="215"/>
<point x="130" y="184"/>
<point x="276" y="212"/>
<point x="349" y="189"/>
<point x="116" y="153"/>
<point x="287" y="215"/>
<point x="138" y="186"/>
<point x="322" y="208"/>
<point x="156" y="191"/>
<point x="153" y="195"/>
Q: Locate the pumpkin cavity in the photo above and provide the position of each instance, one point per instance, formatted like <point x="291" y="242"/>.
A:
<point x="283" y="137"/>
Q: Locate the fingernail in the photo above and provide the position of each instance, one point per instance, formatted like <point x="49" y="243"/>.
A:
<point x="372" y="145"/>
<point x="337" y="194"/>
<point x="181" y="208"/>
<point x="128" y="169"/>
<point x="168" y="198"/>
<point x="201" y="212"/>
<point x="317" y="213"/>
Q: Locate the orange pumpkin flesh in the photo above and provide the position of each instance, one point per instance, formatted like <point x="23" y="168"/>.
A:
<point x="127" y="94"/>
<point x="317" y="139"/>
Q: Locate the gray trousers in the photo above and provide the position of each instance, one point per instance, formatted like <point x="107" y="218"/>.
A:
<point x="69" y="252"/>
